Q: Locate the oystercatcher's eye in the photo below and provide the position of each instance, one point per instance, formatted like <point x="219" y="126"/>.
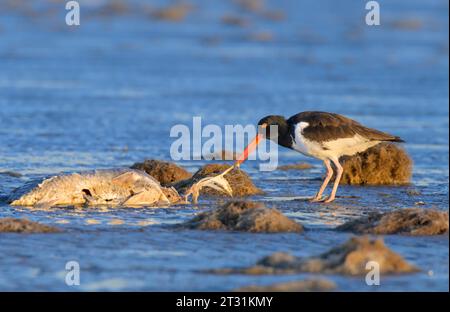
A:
<point x="86" y="192"/>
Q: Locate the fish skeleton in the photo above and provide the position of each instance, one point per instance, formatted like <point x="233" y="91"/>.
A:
<point x="111" y="187"/>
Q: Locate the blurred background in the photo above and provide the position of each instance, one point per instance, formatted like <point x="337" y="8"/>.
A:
<point x="106" y="93"/>
<point x="132" y="69"/>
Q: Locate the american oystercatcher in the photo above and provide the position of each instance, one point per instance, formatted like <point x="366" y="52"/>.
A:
<point x="325" y="136"/>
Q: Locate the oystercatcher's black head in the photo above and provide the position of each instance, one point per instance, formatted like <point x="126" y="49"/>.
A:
<point x="267" y="123"/>
<point x="274" y="128"/>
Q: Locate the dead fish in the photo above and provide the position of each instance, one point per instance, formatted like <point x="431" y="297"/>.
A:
<point x="111" y="187"/>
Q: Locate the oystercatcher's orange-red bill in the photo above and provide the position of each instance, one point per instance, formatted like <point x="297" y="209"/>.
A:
<point x="249" y="149"/>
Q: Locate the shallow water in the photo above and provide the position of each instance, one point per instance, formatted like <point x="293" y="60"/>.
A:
<point x="106" y="94"/>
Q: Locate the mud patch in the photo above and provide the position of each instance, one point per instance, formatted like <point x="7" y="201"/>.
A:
<point x="383" y="164"/>
<point x="11" y="174"/>
<point x="300" y="166"/>
<point x="13" y="225"/>
<point x="165" y="172"/>
<point x="274" y="15"/>
<point x="263" y="36"/>
<point x="319" y="285"/>
<point x="234" y="20"/>
<point x="244" y="216"/>
<point x="349" y="258"/>
<point x="113" y="8"/>
<point x="240" y="182"/>
<point x="411" y="24"/>
<point x="176" y="12"/>
<point x="410" y="221"/>
<point x="254" y="6"/>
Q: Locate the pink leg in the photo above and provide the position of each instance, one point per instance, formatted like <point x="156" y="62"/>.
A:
<point x="340" y="170"/>
<point x="318" y="196"/>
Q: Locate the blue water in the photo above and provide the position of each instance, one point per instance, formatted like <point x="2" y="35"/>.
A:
<point x="106" y="94"/>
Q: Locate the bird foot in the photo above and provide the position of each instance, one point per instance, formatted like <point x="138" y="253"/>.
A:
<point x="329" y="199"/>
<point x="321" y="199"/>
<point x="316" y="199"/>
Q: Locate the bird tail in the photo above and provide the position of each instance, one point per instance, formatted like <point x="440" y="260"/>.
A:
<point x="377" y="135"/>
<point x="397" y="139"/>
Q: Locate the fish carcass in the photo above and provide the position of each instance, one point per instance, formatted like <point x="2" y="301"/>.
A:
<point x="111" y="187"/>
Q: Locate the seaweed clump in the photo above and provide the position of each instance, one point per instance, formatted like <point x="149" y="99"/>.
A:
<point x="165" y="172"/>
<point x="383" y="164"/>
<point x="299" y="166"/>
<point x="14" y="225"/>
<point x="176" y="12"/>
<point x="410" y="221"/>
<point x="313" y="285"/>
<point x="349" y="258"/>
<point x="244" y="216"/>
<point x="240" y="182"/>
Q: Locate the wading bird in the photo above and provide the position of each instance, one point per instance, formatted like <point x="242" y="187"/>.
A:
<point x="325" y="136"/>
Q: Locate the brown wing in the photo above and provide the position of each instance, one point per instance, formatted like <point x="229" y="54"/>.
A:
<point x="325" y="127"/>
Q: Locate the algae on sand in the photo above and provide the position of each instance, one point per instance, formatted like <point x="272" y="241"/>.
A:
<point x="244" y="216"/>
<point x="349" y="258"/>
<point x="409" y="221"/>
<point x="383" y="164"/>
<point x="313" y="285"/>
<point x="165" y="172"/>
<point x="176" y="12"/>
<point x="14" y="225"/>
<point x="300" y="166"/>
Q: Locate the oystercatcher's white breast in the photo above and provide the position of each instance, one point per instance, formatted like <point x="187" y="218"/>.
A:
<point x="305" y="146"/>
<point x="334" y="148"/>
